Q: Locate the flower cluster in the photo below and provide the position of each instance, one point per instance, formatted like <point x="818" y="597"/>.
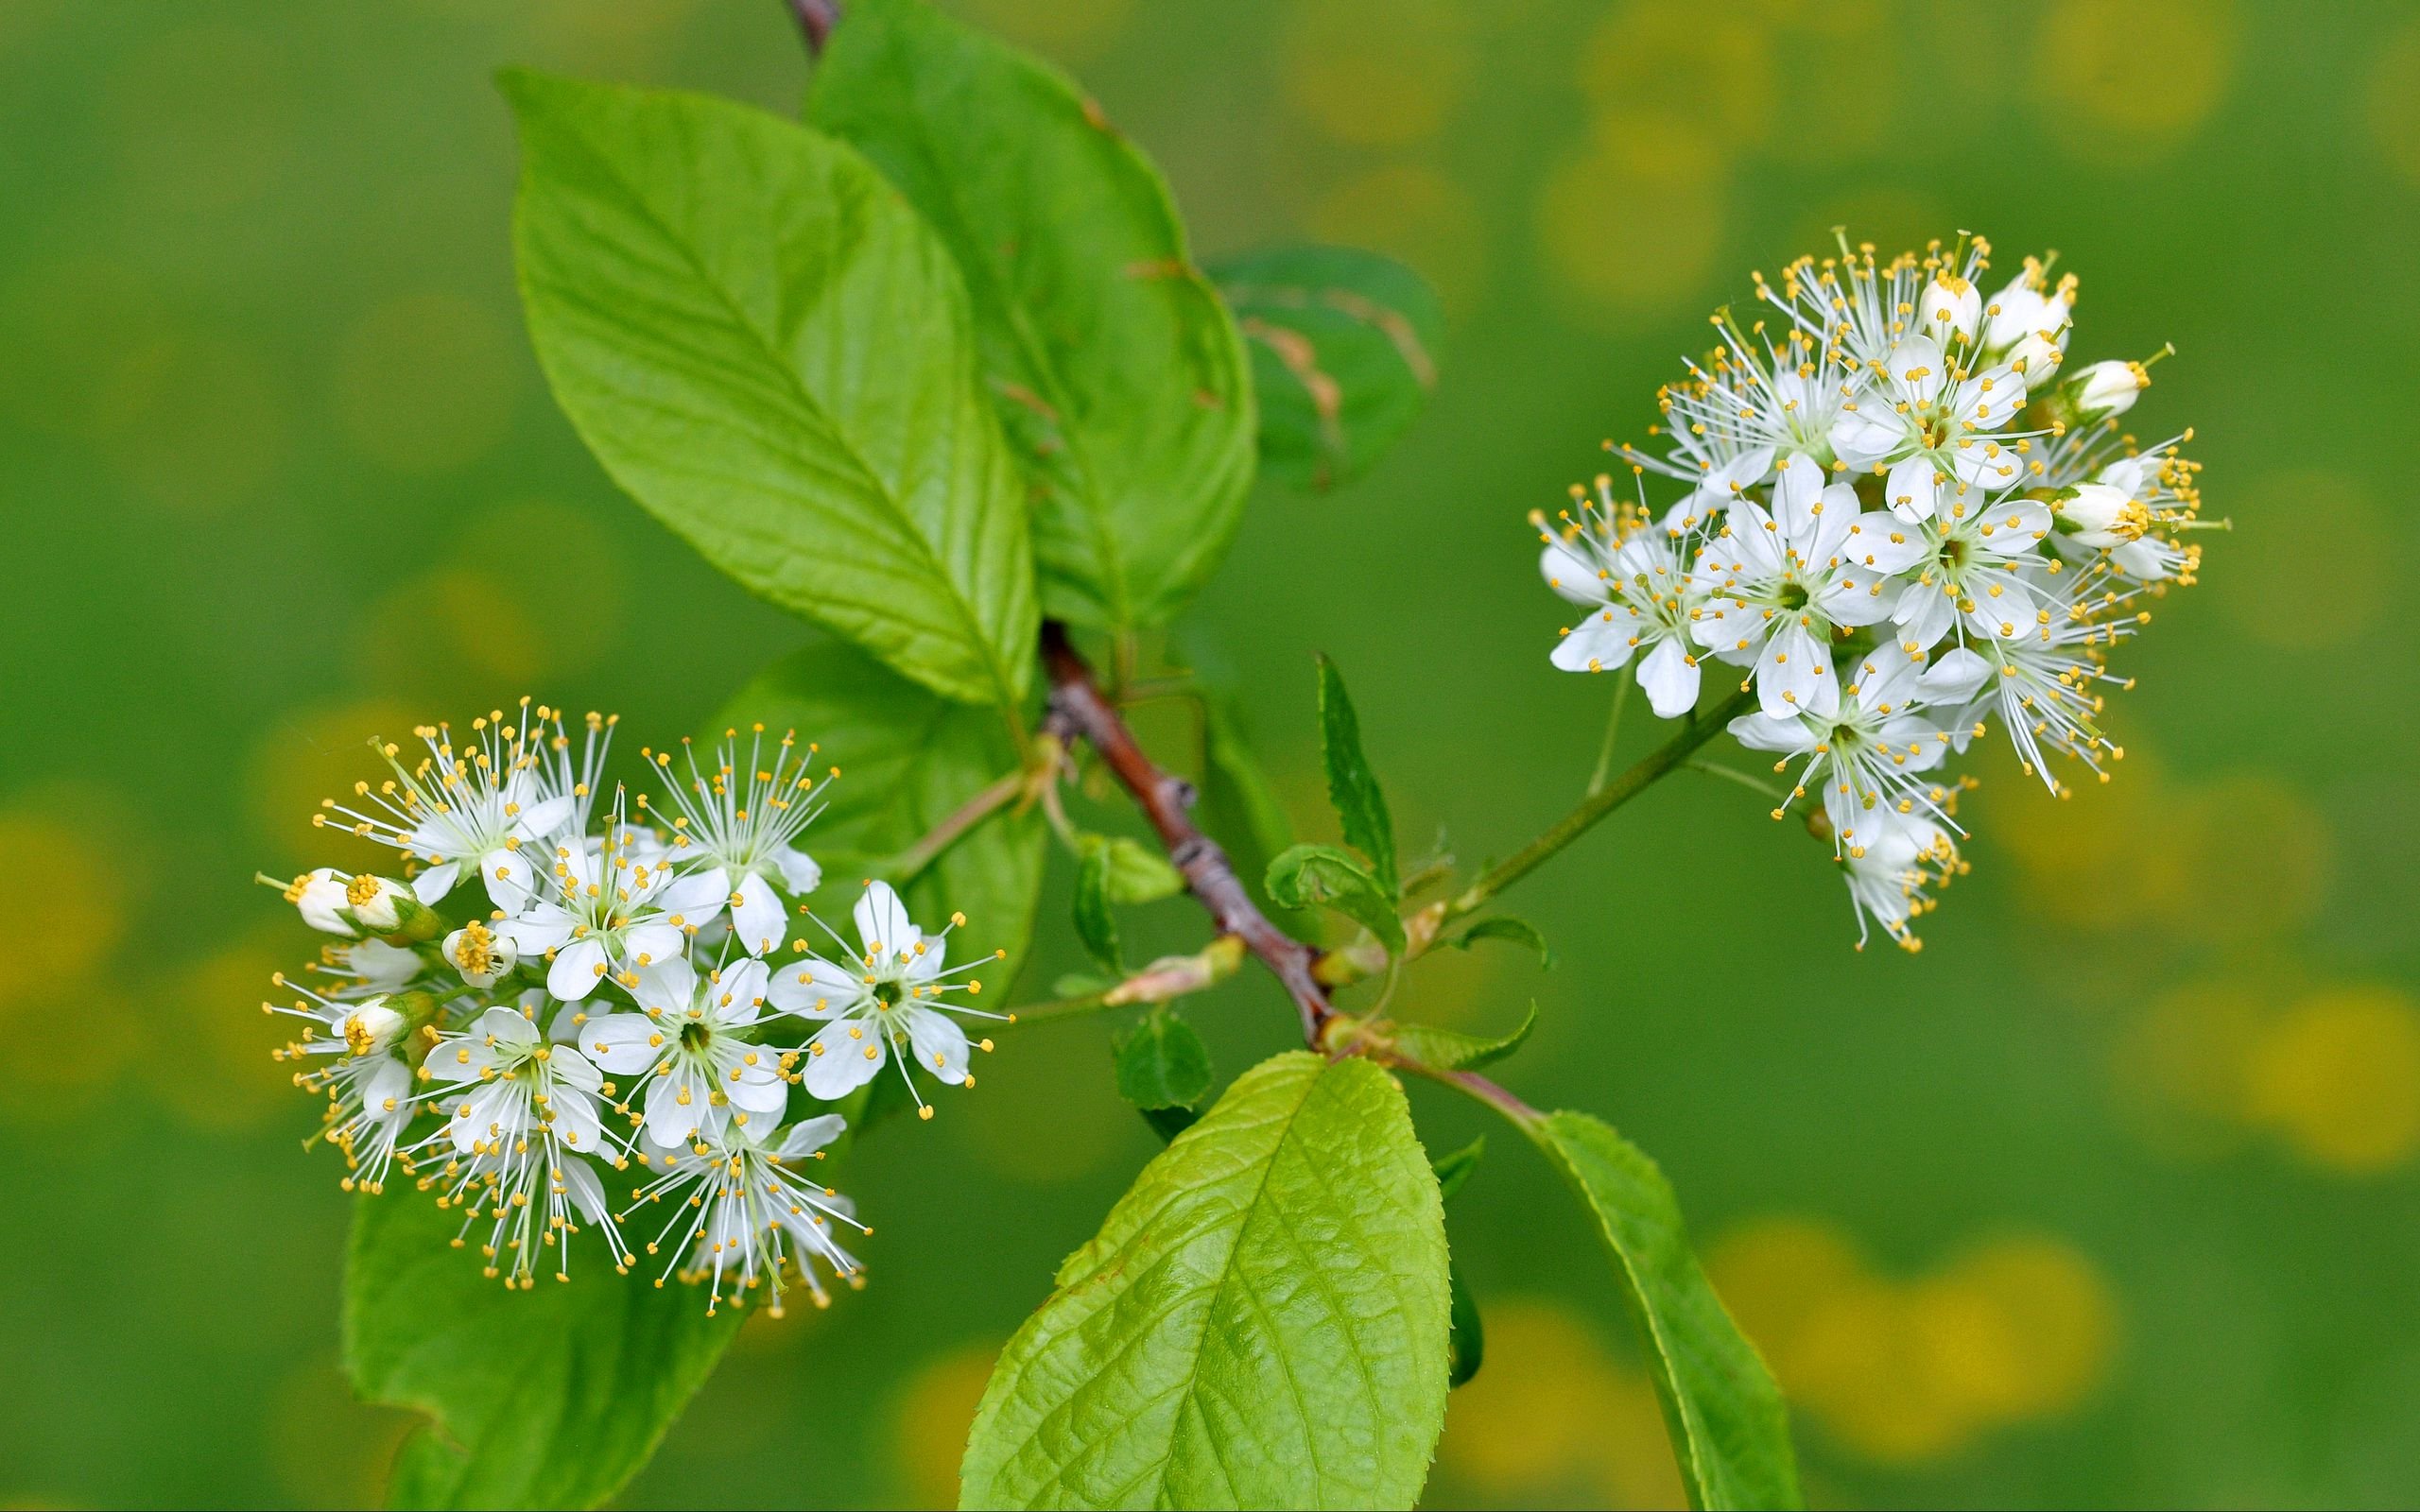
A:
<point x="565" y="982"/>
<point x="1898" y="517"/>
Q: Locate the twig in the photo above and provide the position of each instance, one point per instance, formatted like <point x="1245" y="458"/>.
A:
<point x="1077" y="708"/>
<point x="1613" y="733"/>
<point x="816" y="18"/>
<point x="1597" y="805"/>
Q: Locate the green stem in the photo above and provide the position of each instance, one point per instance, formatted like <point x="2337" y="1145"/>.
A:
<point x="910" y="863"/>
<point x="1641" y="773"/>
<point x="1058" y="1009"/>
<point x="1752" y="784"/>
<point x="1613" y="732"/>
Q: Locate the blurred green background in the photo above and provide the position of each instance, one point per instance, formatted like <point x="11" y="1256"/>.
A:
<point x="2107" y="1196"/>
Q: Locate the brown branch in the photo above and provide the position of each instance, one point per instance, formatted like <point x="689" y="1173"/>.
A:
<point x="1077" y="708"/>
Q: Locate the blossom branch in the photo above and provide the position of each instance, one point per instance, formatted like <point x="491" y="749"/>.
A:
<point x="1077" y="708"/>
<point x="816" y="19"/>
<point x="1601" y="801"/>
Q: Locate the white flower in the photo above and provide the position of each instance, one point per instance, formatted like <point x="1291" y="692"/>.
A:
<point x="521" y="1111"/>
<point x="2107" y="389"/>
<point x="1632" y="578"/>
<point x="740" y="1214"/>
<point x="368" y="1084"/>
<point x="1779" y="584"/>
<point x="1888" y="879"/>
<point x="1951" y="309"/>
<point x="319" y="897"/>
<point x="2046" y="686"/>
<point x="598" y="911"/>
<point x="1870" y="755"/>
<point x="2098" y="515"/>
<point x="1971" y="569"/>
<point x="1918" y="401"/>
<point x="372" y="966"/>
<point x="478" y="804"/>
<point x="691" y="1043"/>
<point x="890" y="993"/>
<point x="480" y="955"/>
<point x="734" y="832"/>
<point x="2026" y="324"/>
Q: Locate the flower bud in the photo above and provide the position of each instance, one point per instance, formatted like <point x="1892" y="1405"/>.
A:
<point x="370" y="1028"/>
<point x="2107" y="389"/>
<point x="2097" y="515"/>
<point x="386" y="907"/>
<point x="321" y="897"/>
<point x="1950" y="306"/>
<point x="480" y="954"/>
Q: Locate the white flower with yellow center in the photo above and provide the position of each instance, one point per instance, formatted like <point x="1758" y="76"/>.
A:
<point x="1778" y="585"/>
<point x="351" y="1053"/>
<point x="2047" y="686"/>
<point x="1890" y="727"/>
<point x="522" y="1114"/>
<point x="1888" y="879"/>
<point x="2026" y="323"/>
<point x="734" y="832"/>
<point x="1632" y="578"/>
<point x="891" y="993"/>
<point x="1973" y="570"/>
<point x="693" y="1040"/>
<point x="475" y="805"/>
<point x="743" y="1216"/>
<point x="598" y="912"/>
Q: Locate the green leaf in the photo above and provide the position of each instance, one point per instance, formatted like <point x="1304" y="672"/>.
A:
<point x="1344" y="350"/>
<point x="1516" y="931"/>
<point x="769" y="349"/>
<point x="1350" y="785"/>
<point x="1466" y="1339"/>
<point x="1323" y="876"/>
<point x="1239" y="807"/>
<point x="1095" y="926"/>
<point x="1162" y="1062"/>
<point x="1730" y="1431"/>
<point x="1116" y="371"/>
<point x="1261" y="1321"/>
<point x="1449" y="1050"/>
<point x="908" y="761"/>
<point x="1137" y="875"/>
<point x="553" y="1396"/>
<point x="1454" y="1167"/>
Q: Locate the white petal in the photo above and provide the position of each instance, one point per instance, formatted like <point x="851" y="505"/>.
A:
<point x="586" y="1192"/>
<point x="799" y="873"/>
<point x="1795" y="674"/>
<point x="1760" y="731"/>
<point x="670" y="1120"/>
<point x="755" y="916"/>
<point x="1954" y="677"/>
<point x="666" y="987"/>
<point x="815" y="988"/>
<point x="1599" y="643"/>
<point x="882" y="920"/>
<point x="645" y="944"/>
<point x="578" y="967"/>
<point x="431" y="886"/>
<point x="698" y="896"/>
<point x="941" y="1044"/>
<point x="1797" y="488"/>
<point x="509" y="879"/>
<point x="1570" y="572"/>
<point x="575" y="1119"/>
<point x="540" y="822"/>
<point x="1670" y="680"/>
<point x="845" y="1064"/>
<point x="1912" y="490"/>
<point x="624" y="1044"/>
<point x="809" y="1135"/>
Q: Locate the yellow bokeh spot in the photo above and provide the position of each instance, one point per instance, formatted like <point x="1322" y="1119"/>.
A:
<point x="1375" y="73"/>
<point x="1632" y="223"/>
<point x="2125" y="81"/>
<point x="222" y="1076"/>
<point x="929" y="1424"/>
<point x="65" y="892"/>
<point x="1072" y="30"/>
<point x="2310" y="592"/>
<point x="1419" y="215"/>
<point x="2395" y="102"/>
<point x="1703" y="70"/>
<point x="425" y="382"/>
<point x="2337" y="1075"/>
<point x="2179" y="1069"/>
<point x="320" y="753"/>
<point x="2017" y="1328"/>
<point x="1552" y="1421"/>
